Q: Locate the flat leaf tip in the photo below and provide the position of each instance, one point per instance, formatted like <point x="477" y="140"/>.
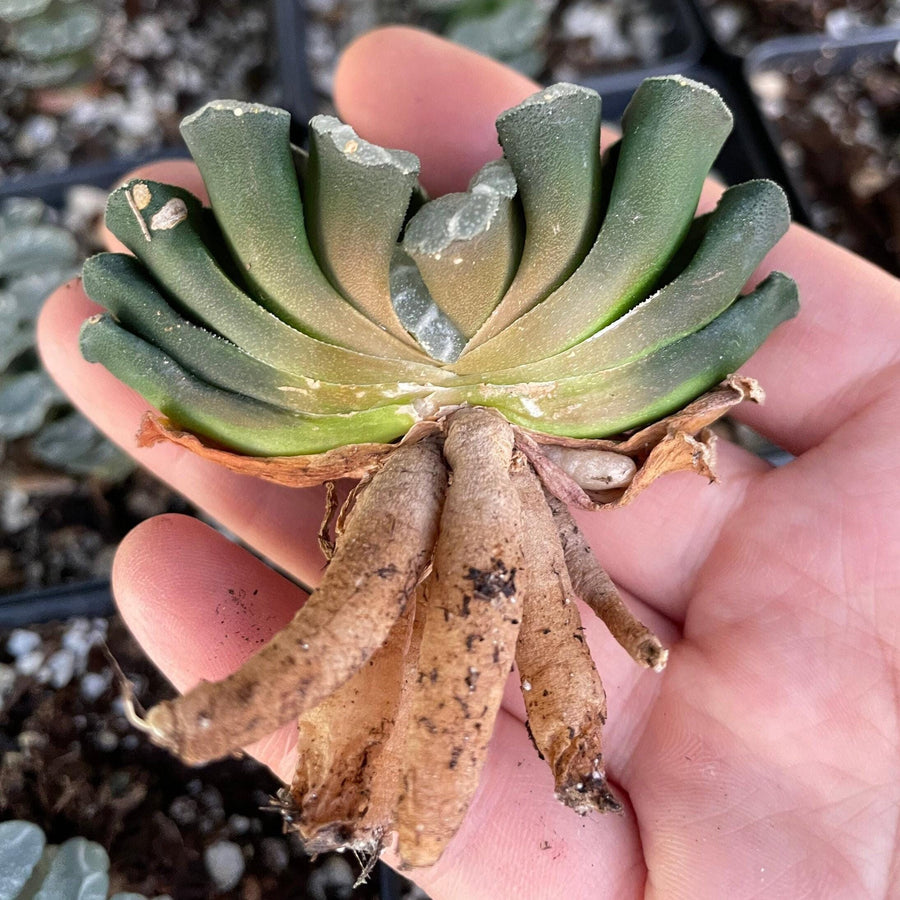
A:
<point x="359" y="150"/>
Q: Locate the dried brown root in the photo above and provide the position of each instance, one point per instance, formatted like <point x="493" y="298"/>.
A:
<point x="472" y="620"/>
<point x="345" y="785"/>
<point x="564" y="697"/>
<point x="363" y="593"/>
<point x="596" y="589"/>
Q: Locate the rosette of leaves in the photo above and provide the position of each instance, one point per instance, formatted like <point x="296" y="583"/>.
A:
<point x="482" y="361"/>
<point x="48" y="42"/>
<point x="512" y="31"/>
<point x="32" y="869"/>
<point x="36" y="256"/>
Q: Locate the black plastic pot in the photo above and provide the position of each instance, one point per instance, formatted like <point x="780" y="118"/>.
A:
<point x="683" y="47"/>
<point x="51" y="187"/>
<point x="91" y="598"/>
<point x="297" y="94"/>
<point x="825" y="57"/>
<point x="732" y="51"/>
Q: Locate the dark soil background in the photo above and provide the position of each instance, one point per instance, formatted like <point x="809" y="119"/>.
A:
<point x="72" y="764"/>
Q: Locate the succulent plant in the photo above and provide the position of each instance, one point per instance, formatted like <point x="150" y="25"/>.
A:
<point x="36" y="256"/>
<point x="511" y="31"/>
<point x="537" y="335"/>
<point x="31" y="869"/>
<point x="49" y="42"/>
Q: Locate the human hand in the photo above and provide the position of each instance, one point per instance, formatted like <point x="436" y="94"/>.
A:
<point x="765" y="761"/>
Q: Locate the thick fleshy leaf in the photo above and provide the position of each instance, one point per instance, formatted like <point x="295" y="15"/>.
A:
<point x="357" y="195"/>
<point x="30" y="248"/>
<point x="163" y="227"/>
<point x="74" y="445"/>
<point x="25" y="401"/>
<point x="508" y="33"/>
<point x="615" y="400"/>
<point x="120" y="284"/>
<point x="467" y="245"/>
<point x="69" y="28"/>
<point x="244" y="154"/>
<point x="21" y="846"/>
<point x="552" y="142"/>
<point x="241" y="423"/>
<point x="672" y="131"/>
<point x="79" y="871"/>
<point x="732" y="241"/>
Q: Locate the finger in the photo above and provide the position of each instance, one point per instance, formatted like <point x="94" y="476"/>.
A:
<point x="180" y="172"/>
<point x="281" y="522"/>
<point x="400" y="87"/>
<point x="175" y="577"/>
<point x="199" y="606"/>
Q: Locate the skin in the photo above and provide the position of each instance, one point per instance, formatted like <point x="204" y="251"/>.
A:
<point x="765" y="761"/>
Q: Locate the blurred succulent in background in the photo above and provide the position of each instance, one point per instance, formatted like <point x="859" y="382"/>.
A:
<point x="36" y="256"/>
<point x="48" y="43"/>
<point x="512" y="31"/>
<point x="538" y="335"/>
<point x="32" y="869"/>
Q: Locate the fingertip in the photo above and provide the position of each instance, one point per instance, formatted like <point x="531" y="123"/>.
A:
<point x="198" y="604"/>
<point x="402" y="87"/>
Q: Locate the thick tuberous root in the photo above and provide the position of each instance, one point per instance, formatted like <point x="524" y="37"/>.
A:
<point x="453" y="560"/>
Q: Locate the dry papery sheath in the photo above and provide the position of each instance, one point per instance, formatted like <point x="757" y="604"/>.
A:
<point x="560" y="334"/>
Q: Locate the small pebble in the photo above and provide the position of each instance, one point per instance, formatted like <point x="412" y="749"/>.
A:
<point x="22" y="641"/>
<point x="94" y="685"/>
<point x="183" y="811"/>
<point x="333" y="880"/>
<point x="106" y="740"/>
<point x="238" y="824"/>
<point x="58" y="670"/>
<point x="7" y="680"/>
<point x="275" y="856"/>
<point x="224" y="862"/>
<point x="30" y="663"/>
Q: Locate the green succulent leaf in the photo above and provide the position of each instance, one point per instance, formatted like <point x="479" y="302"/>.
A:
<point x="728" y="246"/>
<point x="672" y="131"/>
<point x="163" y="226"/>
<point x="25" y="401"/>
<point x="509" y="33"/>
<point x="244" y="154"/>
<point x="233" y="420"/>
<point x="66" y="29"/>
<point x="118" y="283"/>
<point x="552" y="142"/>
<point x="357" y="196"/>
<point x="652" y="386"/>
<point x="467" y="246"/>
<point x="74" y="445"/>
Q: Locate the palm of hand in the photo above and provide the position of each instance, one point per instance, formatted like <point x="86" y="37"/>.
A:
<point x="767" y="764"/>
<point x="765" y="761"/>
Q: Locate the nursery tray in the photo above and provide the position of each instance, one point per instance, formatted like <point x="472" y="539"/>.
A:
<point x="822" y="57"/>
<point x="51" y="187"/>
<point x="738" y="50"/>
<point x="683" y="47"/>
